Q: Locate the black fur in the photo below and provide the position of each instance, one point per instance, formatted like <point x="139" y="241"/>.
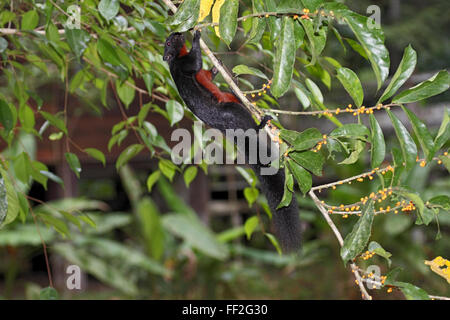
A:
<point x="230" y="115"/>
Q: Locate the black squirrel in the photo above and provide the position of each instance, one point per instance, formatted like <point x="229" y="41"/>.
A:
<point x="223" y="110"/>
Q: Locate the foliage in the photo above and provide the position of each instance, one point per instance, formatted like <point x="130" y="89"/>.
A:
<point x="119" y="45"/>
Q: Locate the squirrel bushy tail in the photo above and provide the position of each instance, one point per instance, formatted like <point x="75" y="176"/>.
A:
<point x="285" y="220"/>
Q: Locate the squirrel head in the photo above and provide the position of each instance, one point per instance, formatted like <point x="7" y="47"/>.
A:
<point x="173" y="46"/>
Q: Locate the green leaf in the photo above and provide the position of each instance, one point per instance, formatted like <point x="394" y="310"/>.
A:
<point x="30" y="20"/>
<point x="107" y="52"/>
<point x="302" y="97"/>
<point x="378" y="146"/>
<point x="78" y="40"/>
<point x="302" y="176"/>
<point x="302" y="140"/>
<point x="195" y="234"/>
<point x="437" y="84"/>
<point x="6" y="116"/>
<point x="351" y="130"/>
<point x="443" y="134"/>
<point x="22" y="167"/>
<point x="243" y="69"/>
<point x="351" y="84"/>
<point x="317" y="39"/>
<point x="288" y="189"/>
<point x="127" y="154"/>
<point x="357" y="239"/>
<point x="228" y="20"/>
<point x="184" y="12"/>
<point x="407" y="144"/>
<point x="152" y="179"/>
<point x="274" y="242"/>
<point x="52" y="177"/>
<point x="149" y="79"/>
<point x="309" y="160"/>
<point x="284" y="59"/>
<point x="250" y="226"/>
<point x="189" y="175"/>
<point x="96" y="154"/>
<point x="258" y="24"/>
<point x="3" y="45"/>
<point x="441" y="201"/>
<point x="109" y="8"/>
<point x="404" y="71"/>
<point x="251" y="194"/>
<point x="354" y="155"/>
<point x="422" y="133"/>
<point x="73" y="162"/>
<point x="126" y="91"/>
<point x="167" y="168"/>
<point x="9" y="203"/>
<point x="357" y="48"/>
<point x="378" y="249"/>
<point x="317" y="94"/>
<point x="54" y="121"/>
<point x="175" y="111"/>
<point x="372" y="40"/>
<point x="48" y="293"/>
<point x="151" y="227"/>
<point x="418" y="202"/>
<point x="412" y="292"/>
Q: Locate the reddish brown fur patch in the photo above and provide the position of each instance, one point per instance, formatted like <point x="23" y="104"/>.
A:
<point x="183" y="51"/>
<point x="204" y="78"/>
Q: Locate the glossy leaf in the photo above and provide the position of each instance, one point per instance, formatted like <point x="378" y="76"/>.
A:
<point x="302" y="176"/>
<point x="404" y="71"/>
<point x="74" y="163"/>
<point x="378" y="146"/>
<point x="407" y="144"/>
<point x="378" y="249"/>
<point x="6" y="116"/>
<point x="185" y="11"/>
<point x="288" y="189"/>
<point x="258" y="24"/>
<point x="284" y="59"/>
<point x="152" y="179"/>
<point x="9" y="203"/>
<point x="437" y="84"/>
<point x="250" y="226"/>
<point x="351" y="84"/>
<point x="96" y="154"/>
<point x="243" y="69"/>
<point x="109" y="8"/>
<point x="372" y="40"/>
<point x="175" y="111"/>
<point x="412" y="292"/>
<point x="351" y="130"/>
<point x="228" y="20"/>
<point x="78" y="40"/>
<point x="125" y="91"/>
<point x="127" y="154"/>
<point x="189" y="175"/>
<point x="309" y="160"/>
<point x="356" y="240"/>
<point x="422" y="133"/>
<point x="301" y="141"/>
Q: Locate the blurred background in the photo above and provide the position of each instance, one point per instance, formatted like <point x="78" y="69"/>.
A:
<point x="135" y="255"/>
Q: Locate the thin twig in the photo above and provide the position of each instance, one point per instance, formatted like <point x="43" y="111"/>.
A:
<point x="338" y="235"/>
